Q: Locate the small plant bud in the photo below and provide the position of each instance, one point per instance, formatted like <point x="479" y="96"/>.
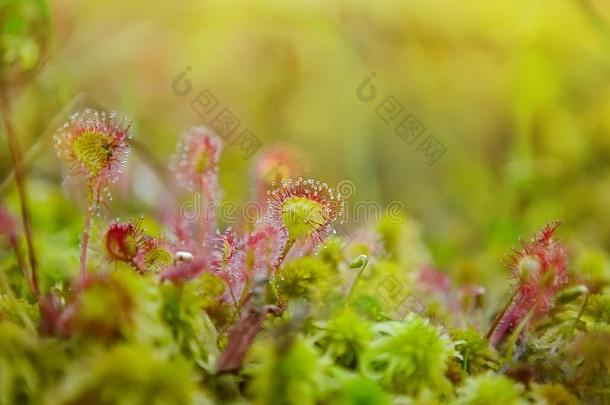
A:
<point x="528" y="269"/>
<point x="358" y="262"/>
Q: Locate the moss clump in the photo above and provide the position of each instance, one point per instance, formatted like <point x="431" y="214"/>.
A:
<point x="409" y="356"/>
<point x="307" y="277"/>
<point x="489" y="388"/>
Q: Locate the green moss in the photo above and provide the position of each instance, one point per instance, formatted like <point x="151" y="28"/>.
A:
<point x="490" y="389"/>
<point x="358" y="390"/>
<point x="332" y="251"/>
<point x="598" y="308"/>
<point x="193" y="332"/>
<point x="128" y="374"/>
<point x="344" y="337"/>
<point x="307" y="277"/>
<point x="476" y="353"/>
<point x="552" y="394"/>
<point x="409" y="356"/>
<point x="28" y="365"/>
<point x="289" y="374"/>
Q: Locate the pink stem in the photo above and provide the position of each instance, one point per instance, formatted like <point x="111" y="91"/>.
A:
<point x="208" y="215"/>
<point x="86" y="231"/>
<point x="85" y="243"/>
<point x="502" y="322"/>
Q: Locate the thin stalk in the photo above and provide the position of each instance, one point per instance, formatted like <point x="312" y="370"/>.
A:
<point x="280" y="262"/>
<point x="233" y="298"/>
<point x="237" y="312"/>
<point x="93" y="198"/>
<point x="582" y="310"/>
<point x="21" y="262"/>
<point x="491" y="334"/>
<point x="20" y="181"/>
<point x="285" y="251"/>
<point x="516" y="334"/>
<point x="244" y="294"/>
<point x="85" y="243"/>
<point x="362" y="262"/>
<point x="207" y="199"/>
<point x="42" y="140"/>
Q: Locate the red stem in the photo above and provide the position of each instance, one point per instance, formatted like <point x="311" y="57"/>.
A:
<point x="21" y="186"/>
<point x="502" y="322"/>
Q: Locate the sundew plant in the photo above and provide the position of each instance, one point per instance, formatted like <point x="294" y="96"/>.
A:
<point x="263" y="241"/>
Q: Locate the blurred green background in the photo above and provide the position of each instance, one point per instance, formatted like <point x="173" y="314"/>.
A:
<point x="517" y="92"/>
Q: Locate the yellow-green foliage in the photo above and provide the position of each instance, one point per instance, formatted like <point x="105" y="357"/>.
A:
<point x="598" y="308"/>
<point x="128" y="374"/>
<point x="490" y="389"/>
<point x="344" y="337"/>
<point x="289" y="373"/>
<point x="183" y="312"/>
<point x="476" y="353"/>
<point x="593" y="267"/>
<point x="409" y="356"/>
<point x="358" y="390"/>
<point x="553" y="394"/>
<point x="332" y="252"/>
<point x="389" y="285"/>
<point x="307" y="277"/>
<point x="18" y="311"/>
<point x="28" y="364"/>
